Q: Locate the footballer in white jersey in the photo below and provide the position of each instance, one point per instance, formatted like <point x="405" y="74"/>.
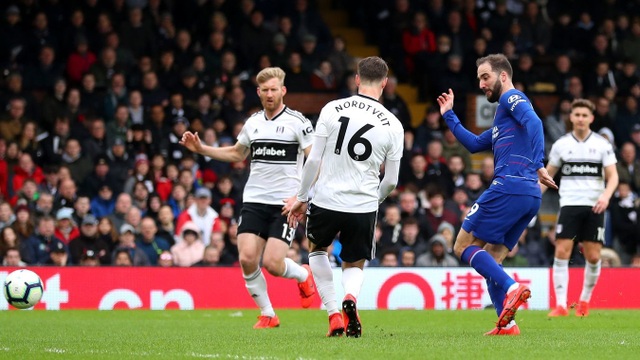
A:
<point x="360" y="134"/>
<point x="277" y="138"/>
<point x="581" y="164"/>
<point x="277" y="154"/>
<point x="589" y="177"/>
<point x="354" y="138"/>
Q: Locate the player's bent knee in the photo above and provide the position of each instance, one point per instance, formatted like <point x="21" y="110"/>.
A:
<point x="463" y="240"/>
<point x="271" y="269"/>
<point x="498" y="252"/>
<point x="563" y="249"/>
<point x="274" y="266"/>
<point x="248" y="263"/>
<point x="592" y="258"/>
<point x="458" y="249"/>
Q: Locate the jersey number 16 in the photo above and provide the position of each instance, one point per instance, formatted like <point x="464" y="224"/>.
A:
<point x="355" y="140"/>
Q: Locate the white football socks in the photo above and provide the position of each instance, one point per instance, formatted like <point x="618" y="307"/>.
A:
<point x="257" y="286"/>
<point x="293" y="270"/>
<point x="352" y="279"/>
<point x="561" y="280"/>
<point x="591" y="275"/>
<point x="323" y="276"/>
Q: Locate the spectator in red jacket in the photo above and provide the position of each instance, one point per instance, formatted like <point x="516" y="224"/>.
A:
<point x="202" y="215"/>
<point x="417" y="41"/>
<point x="323" y="78"/>
<point x="66" y="229"/>
<point x="26" y="169"/>
<point x="80" y="61"/>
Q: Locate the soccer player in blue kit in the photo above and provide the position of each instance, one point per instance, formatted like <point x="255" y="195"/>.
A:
<point x="496" y="221"/>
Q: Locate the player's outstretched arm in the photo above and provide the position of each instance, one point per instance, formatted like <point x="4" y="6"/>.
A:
<point x="469" y="140"/>
<point x="235" y="153"/>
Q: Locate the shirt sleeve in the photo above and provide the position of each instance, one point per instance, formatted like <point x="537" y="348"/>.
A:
<point x="536" y="135"/>
<point x="305" y="134"/>
<point x="397" y="144"/>
<point x="554" y="156"/>
<point x="517" y="105"/>
<point x="322" y="127"/>
<point x="522" y="112"/>
<point x="390" y="179"/>
<point x="474" y="143"/>
<point x="608" y="156"/>
<point x="243" y="137"/>
<point x="311" y="168"/>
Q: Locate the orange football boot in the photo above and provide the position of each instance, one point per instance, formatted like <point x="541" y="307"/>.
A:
<point x="266" y="322"/>
<point x="350" y="317"/>
<point x="559" y="311"/>
<point x="512" y="302"/>
<point x="582" y="309"/>
<point x="336" y="325"/>
<point x="307" y="289"/>
<point x="514" y="330"/>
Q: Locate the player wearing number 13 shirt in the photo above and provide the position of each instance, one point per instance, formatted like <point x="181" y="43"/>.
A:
<point x="354" y="137"/>
<point x="277" y="139"/>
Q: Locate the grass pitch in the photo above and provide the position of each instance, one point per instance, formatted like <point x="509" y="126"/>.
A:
<point x="400" y="334"/>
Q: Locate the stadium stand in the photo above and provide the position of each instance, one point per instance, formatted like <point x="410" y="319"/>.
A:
<point x="95" y="94"/>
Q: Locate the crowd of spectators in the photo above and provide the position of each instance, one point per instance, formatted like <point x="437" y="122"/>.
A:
<point x="560" y="49"/>
<point x="95" y="95"/>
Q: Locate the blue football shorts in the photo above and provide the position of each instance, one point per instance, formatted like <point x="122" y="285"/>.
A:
<point x="499" y="218"/>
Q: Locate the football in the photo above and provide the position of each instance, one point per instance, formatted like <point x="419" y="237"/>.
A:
<point x="23" y="289"/>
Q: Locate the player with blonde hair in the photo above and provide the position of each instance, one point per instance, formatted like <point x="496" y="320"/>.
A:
<point x="278" y="139"/>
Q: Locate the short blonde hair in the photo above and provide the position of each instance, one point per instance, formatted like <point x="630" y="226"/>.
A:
<point x="583" y="103"/>
<point x="269" y="73"/>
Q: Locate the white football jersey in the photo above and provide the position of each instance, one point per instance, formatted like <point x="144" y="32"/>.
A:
<point x="277" y="155"/>
<point x="581" y="164"/>
<point x="361" y="133"/>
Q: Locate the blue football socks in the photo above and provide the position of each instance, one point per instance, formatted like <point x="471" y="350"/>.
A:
<point x="497" y="296"/>
<point x="486" y="266"/>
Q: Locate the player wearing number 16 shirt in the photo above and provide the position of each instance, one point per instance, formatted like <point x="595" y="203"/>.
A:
<point x="354" y="137"/>
<point x="277" y="139"/>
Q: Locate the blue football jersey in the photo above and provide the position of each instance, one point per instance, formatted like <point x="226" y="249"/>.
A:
<point x="517" y="142"/>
